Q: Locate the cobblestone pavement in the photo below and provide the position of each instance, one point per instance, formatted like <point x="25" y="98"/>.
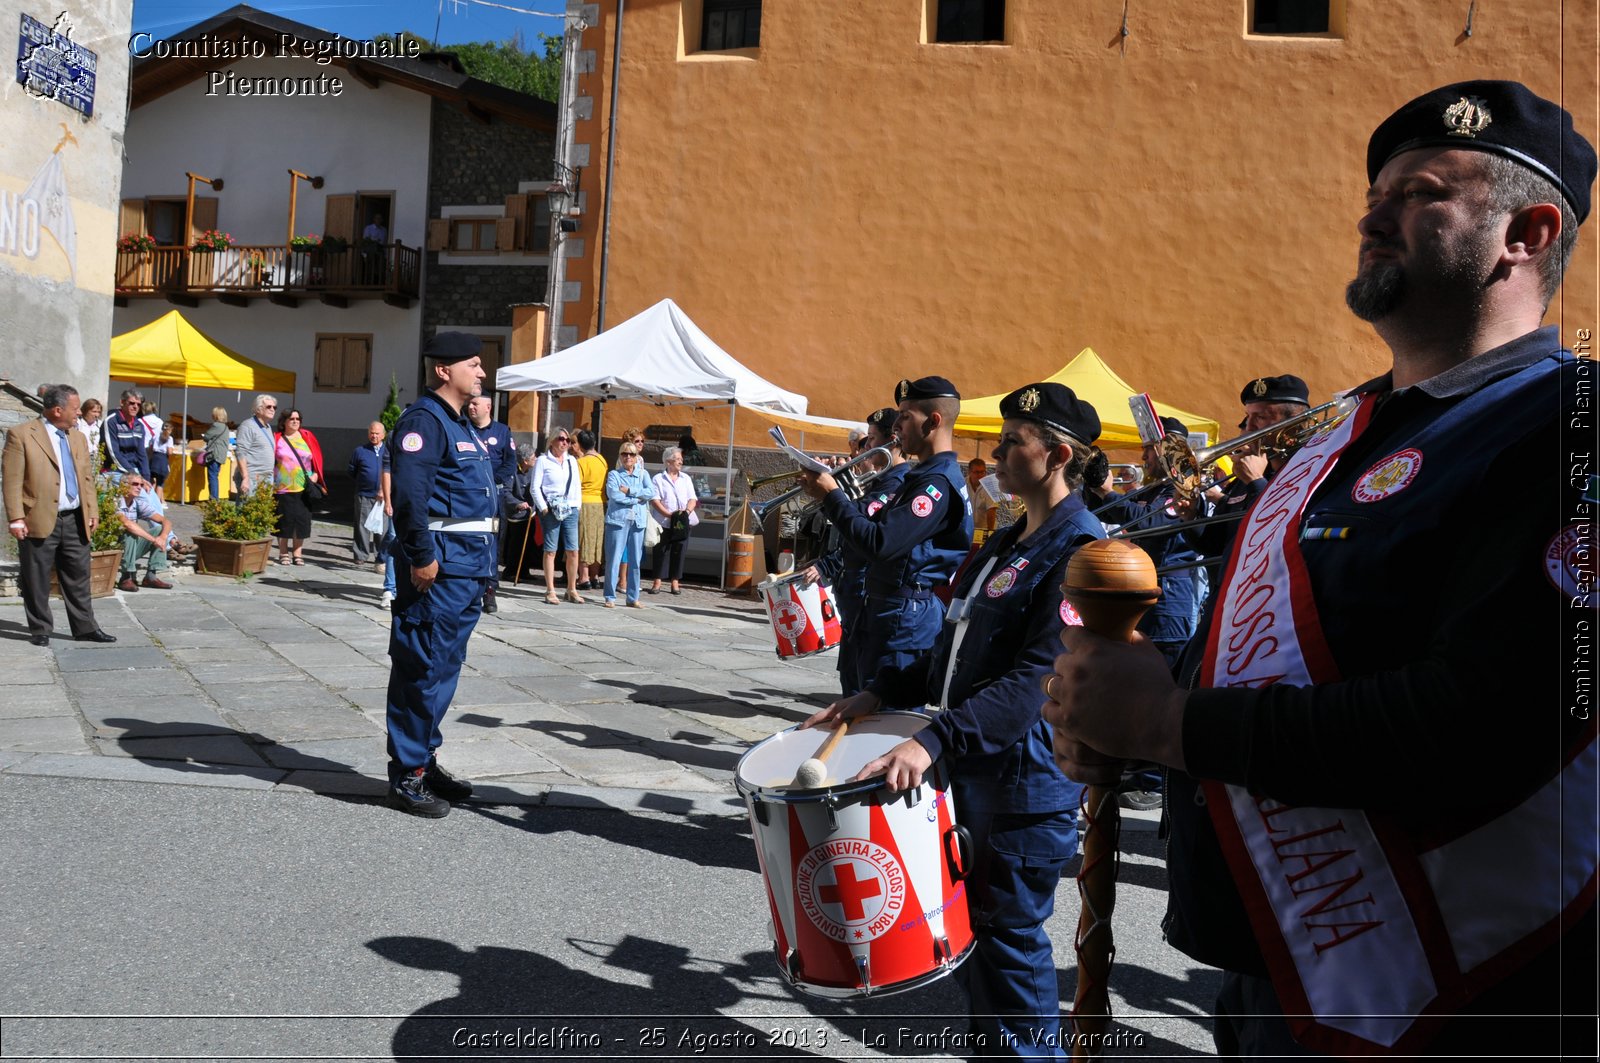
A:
<point x="277" y="681"/>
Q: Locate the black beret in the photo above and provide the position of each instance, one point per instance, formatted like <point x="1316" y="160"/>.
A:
<point x="883" y="420"/>
<point x="1286" y="388"/>
<point x="452" y="347"/>
<point x="1055" y="406"/>
<point x="1501" y="117"/>
<point x="928" y="387"/>
<point x="1174" y="426"/>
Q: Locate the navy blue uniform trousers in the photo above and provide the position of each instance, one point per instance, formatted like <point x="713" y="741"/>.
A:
<point x="427" y="645"/>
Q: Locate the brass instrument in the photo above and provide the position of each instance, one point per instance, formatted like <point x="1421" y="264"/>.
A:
<point x="1187" y="468"/>
<point x="855" y="486"/>
<point x="806" y="526"/>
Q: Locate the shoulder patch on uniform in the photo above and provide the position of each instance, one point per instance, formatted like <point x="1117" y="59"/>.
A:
<point x="1389" y="476"/>
<point x="411" y="442"/>
<point x="1569" y="562"/>
<point x="934" y="493"/>
<point x="1002" y="582"/>
<point x="922" y="505"/>
<point x="1069" y="615"/>
<point x="493" y="441"/>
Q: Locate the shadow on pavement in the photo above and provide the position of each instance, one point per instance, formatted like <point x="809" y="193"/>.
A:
<point x="663" y="696"/>
<point x="703" y="841"/>
<point x="211" y="750"/>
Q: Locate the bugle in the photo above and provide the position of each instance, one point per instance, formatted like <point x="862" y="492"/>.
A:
<point x="854" y="485"/>
<point x="1188" y="469"/>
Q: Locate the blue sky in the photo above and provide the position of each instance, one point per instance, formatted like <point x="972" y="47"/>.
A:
<point x="458" y="21"/>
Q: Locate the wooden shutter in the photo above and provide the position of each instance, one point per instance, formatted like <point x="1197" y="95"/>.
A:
<point x="357" y="363"/>
<point x="505" y="234"/>
<point x="518" y="207"/>
<point x="340" y="218"/>
<point x="328" y="368"/>
<point x="132" y="219"/>
<point x="438" y="234"/>
<point x="205" y="216"/>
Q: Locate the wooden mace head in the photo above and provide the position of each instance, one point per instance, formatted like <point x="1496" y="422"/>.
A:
<point x="1111" y="582"/>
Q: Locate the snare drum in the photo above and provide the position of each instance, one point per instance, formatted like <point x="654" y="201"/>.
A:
<point x="804" y="619"/>
<point x="865" y="886"/>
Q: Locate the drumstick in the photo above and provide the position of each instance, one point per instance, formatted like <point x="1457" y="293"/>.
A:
<point x="1110" y="582"/>
<point x="814" y="772"/>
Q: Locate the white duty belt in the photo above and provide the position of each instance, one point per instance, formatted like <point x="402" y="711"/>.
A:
<point x="466" y="525"/>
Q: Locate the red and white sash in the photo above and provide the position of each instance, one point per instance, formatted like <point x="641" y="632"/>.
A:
<point x="1363" y="927"/>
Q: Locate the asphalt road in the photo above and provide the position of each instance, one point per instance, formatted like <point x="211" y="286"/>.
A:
<point x="145" y="920"/>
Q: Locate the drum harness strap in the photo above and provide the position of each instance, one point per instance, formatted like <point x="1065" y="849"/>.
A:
<point x="959" y="613"/>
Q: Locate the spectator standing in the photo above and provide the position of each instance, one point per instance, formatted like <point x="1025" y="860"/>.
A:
<point x="298" y="461"/>
<point x="592" y="518"/>
<point x="628" y="491"/>
<point x="558" y="496"/>
<point x="674" y="494"/>
<point x="157" y="438"/>
<point x="126" y="446"/>
<point x="52" y="509"/>
<point x="386" y="546"/>
<point x="91" y="425"/>
<point x="983" y="505"/>
<point x="146" y="532"/>
<point x="496" y="439"/>
<point x="254" y="446"/>
<point x="367" y="466"/>
<point x="216" y="449"/>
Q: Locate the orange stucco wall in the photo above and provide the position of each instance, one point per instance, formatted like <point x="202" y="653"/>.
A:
<point x="847" y="205"/>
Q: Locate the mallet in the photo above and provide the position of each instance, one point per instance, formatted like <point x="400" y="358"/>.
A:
<point x="814" y="771"/>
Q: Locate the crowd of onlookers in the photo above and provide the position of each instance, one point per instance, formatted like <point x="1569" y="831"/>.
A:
<point x="562" y="507"/>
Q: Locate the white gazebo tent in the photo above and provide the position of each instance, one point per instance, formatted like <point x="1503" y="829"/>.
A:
<point x="658" y="356"/>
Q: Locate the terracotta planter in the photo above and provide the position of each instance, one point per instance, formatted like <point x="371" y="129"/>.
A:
<point x="229" y="557"/>
<point x="103" y="565"/>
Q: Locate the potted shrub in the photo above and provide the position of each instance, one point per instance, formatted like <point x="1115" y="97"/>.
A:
<point x="234" y="538"/>
<point x="213" y="240"/>
<point x="135" y="244"/>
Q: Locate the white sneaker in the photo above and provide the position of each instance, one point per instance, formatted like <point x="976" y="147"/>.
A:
<point x="386" y="600"/>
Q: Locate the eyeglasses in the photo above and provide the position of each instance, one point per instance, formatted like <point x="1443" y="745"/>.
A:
<point x="629" y="453"/>
<point x="562" y="439"/>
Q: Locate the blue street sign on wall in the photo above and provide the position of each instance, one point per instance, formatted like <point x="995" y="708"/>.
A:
<point x="50" y="63"/>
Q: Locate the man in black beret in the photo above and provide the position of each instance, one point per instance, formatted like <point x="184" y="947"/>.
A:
<point x="984" y="672"/>
<point x="1383" y="764"/>
<point x="917" y="539"/>
<point x="445" y="505"/>
<point x="1267" y="400"/>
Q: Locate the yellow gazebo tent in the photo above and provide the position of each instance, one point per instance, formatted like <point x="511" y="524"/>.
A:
<point x="1092" y="380"/>
<point x="170" y="352"/>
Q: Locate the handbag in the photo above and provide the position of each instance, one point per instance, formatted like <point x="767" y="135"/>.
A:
<point x="677" y="529"/>
<point x="313" y="490"/>
<point x="561" y="510"/>
<point x="652" y="534"/>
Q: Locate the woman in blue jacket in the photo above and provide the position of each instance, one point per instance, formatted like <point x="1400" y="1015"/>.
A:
<point x="628" y="495"/>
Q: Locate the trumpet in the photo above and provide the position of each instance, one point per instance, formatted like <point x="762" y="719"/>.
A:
<point x="855" y="485"/>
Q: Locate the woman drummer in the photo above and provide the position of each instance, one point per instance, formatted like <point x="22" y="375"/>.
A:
<point x="999" y="640"/>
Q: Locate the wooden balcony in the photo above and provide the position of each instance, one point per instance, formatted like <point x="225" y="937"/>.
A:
<point x="279" y="274"/>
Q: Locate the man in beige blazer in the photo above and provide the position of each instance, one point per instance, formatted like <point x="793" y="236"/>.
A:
<point x="53" y="515"/>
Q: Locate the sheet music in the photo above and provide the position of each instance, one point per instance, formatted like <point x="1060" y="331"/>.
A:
<point x="801" y="458"/>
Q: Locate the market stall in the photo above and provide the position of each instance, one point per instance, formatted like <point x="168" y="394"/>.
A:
<point x="170" y="352"/>
<point x="662" y="356"/>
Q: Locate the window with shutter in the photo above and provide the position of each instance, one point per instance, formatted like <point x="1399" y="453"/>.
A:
<point x="343" y="362"/>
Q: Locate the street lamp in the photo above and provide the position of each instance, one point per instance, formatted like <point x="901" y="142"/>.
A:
<point x="562" y="196"/>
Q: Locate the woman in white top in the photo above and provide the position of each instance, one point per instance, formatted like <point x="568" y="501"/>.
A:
<point x="674" y="494"/>
<point x="90" y="424"/>
<point x="558" y="496"/>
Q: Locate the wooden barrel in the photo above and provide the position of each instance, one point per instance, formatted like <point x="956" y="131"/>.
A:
<point x="741" y="562"/>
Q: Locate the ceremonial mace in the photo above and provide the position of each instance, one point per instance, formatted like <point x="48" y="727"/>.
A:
<point x="1110" y="582"/>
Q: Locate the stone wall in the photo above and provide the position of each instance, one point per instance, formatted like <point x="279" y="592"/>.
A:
<point x="480" y="163"/>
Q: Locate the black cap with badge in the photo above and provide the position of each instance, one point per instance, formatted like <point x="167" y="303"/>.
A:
<point x="1055" y="406"/>
<point x="1174" y="426"/>
<point x="883" y="420"/>
<point x="928" y="387"/>
<point x="1500" y="117"/>
<point x="447" y="347"/>
<point x="1286" y="388"/>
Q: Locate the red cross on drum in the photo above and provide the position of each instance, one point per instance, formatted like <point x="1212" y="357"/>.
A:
<point x="864" y="886"/>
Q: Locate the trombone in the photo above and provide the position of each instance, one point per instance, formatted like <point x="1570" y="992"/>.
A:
<point x="1191" y="472"/>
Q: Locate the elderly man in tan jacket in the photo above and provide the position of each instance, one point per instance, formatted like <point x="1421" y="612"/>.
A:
<point x="53" y="515"/>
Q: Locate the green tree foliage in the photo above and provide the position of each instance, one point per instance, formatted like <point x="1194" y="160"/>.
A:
<point x="508" y="63"/>
<point x="391" y="408"/>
